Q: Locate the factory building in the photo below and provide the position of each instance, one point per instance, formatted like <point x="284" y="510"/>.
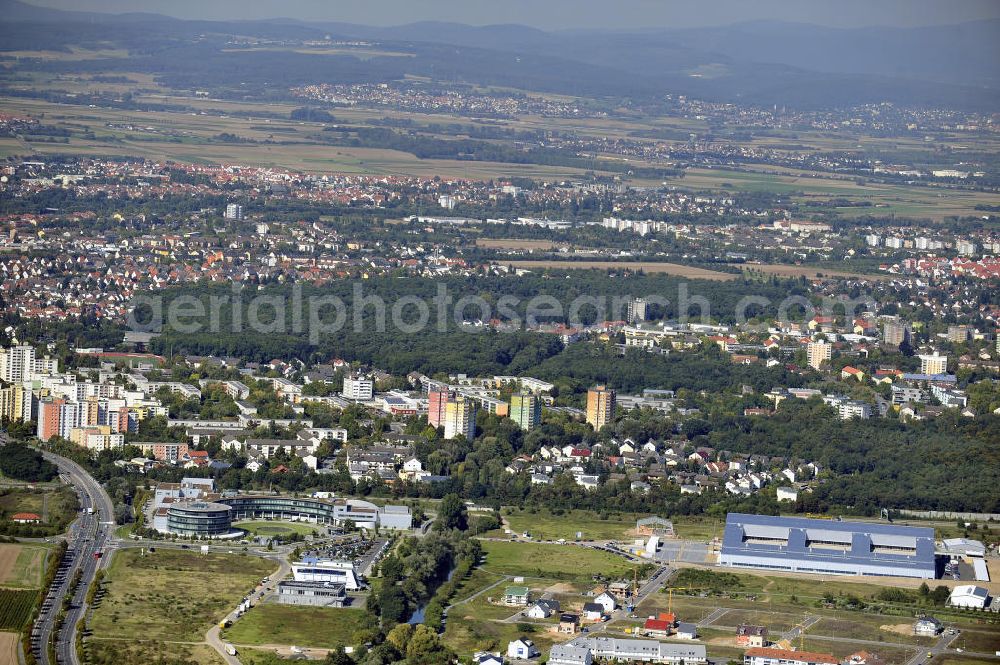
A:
<point x="827" y="546"/>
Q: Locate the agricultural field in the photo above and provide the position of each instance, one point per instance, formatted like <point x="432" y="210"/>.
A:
<point x="276" y="528"/>
<point x="561" y="562"/>
<point x="172" y="594"/>
<point x="8" y="647"/>
<point x="690" y="272"/>
<point x="22" y="565"/>
<point x="274" y="624"/>
<point x="516" y="244"/>
<point x="15" y="608"/>
<point x="544" y="525"/>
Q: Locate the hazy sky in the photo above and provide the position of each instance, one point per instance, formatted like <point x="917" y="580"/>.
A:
<point x="555" y="14"/>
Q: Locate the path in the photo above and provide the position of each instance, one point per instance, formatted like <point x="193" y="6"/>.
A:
<point x="480" y="592"/>
<point x="714" y="616"/>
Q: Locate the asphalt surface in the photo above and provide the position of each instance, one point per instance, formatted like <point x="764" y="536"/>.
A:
<point x="90" y="538"/>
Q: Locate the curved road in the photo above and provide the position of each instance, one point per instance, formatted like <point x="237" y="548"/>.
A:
<point x="90" y="538"/>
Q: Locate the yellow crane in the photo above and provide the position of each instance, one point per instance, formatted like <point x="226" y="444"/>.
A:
<point x="802" y="630"/>
<point x="670" y="596"/>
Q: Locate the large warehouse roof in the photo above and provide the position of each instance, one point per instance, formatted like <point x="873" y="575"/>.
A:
<point x="827" y="546"/>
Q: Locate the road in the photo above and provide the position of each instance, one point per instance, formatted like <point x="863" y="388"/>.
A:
<point x="91" y="534"/>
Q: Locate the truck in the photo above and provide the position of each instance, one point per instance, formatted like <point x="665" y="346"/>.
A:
<point x="90" y="511"/>
<point x="230" y="649"/>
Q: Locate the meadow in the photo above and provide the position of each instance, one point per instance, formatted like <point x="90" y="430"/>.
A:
<point x="322" y="627"/>
<point x="173" y="594"/>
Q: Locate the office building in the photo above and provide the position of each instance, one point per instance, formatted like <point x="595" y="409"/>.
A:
<point x="600" y="407"/>
<point x="313" y="569"/>
<point x="314" y="594"/>
<point x="526" y="410"/>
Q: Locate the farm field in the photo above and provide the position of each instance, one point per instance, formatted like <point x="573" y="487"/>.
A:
<point x="276" y="528"/>
<point x="15" y="608"/>
<point x="690" y="272"/>
<point x="563" y="562"/>
<point x="173" y="594"/>
<point x="322" y="627"/>
<point x="21" y="566"/>
<point x="8" y="647"/>
<point x="515" y="243"/>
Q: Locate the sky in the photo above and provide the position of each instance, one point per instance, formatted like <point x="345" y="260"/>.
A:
<point x="565" y="14"/>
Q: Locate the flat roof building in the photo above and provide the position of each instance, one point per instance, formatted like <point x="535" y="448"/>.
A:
<point x="316" y="594"/>
<point x="827" y="547"/>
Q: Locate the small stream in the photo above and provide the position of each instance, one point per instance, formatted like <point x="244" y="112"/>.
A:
<point x="418" y="614"/>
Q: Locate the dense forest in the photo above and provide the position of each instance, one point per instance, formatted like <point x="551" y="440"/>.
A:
<point x="20" y="462"/>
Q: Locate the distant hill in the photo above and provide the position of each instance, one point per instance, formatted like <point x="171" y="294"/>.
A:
<point x="760" y="62"/>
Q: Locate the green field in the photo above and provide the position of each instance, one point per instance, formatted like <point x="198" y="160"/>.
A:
<point x="143" y="652"/>
<point x="698" y="527"/>
<point x="544" y="525"/>
<point x="56" y="505"/>
<point x="15" y="608"/>
<point x="276" y="528"/>
<point x="173" y="594"/>
<point x="320" y="627"/>
<point x="982" y="641"/>
<point x="476" y="625"/>
<point x="563" y="562"/>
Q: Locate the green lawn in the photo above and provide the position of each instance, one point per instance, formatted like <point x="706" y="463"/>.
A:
<point x="277" y="528"/>
<point x="320" y="627"/>
<point x="565" y="562"/>
<point x="173" y="594"/>
<point x="543" y="525"/>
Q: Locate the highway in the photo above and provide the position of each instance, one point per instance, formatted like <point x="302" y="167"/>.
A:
<point x="90" y="538"/>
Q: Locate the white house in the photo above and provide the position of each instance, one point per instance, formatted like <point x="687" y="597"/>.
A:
<point x="788" y="494"/>
<point x="522" y="649"/>
<point x="927" y="626"/>
<point x="542" y="609"/>
<point x="607" y="601"/>
<point x="969" y="596"/>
